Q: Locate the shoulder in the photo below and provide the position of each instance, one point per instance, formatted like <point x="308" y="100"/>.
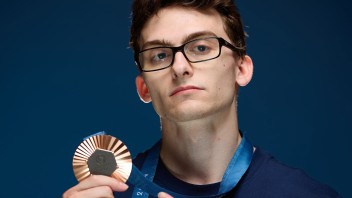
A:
<point x="270" y="177"/>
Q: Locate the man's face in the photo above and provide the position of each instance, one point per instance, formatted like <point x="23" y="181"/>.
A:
<point x="189" y="91"/>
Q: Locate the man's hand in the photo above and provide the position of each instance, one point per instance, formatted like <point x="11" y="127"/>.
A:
<point x="96" y="186"/>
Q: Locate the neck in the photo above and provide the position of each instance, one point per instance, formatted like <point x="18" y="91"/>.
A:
<point x="199" y="151"/>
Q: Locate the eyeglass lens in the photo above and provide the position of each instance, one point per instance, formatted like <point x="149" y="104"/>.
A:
<point x="195" y="51"/>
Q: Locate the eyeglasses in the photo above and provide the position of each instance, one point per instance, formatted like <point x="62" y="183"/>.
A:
<point x="195" y="51"/>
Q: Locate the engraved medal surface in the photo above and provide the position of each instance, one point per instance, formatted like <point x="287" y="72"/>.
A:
<point x="102" y="155"/>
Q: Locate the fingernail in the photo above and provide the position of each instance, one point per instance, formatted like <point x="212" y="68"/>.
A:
<point x="123" y="185"/>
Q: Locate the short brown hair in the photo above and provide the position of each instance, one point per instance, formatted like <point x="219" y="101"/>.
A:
<point x="143" y="10"/>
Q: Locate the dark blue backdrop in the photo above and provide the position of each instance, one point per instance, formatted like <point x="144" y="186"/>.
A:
<point x="66" y="72"/>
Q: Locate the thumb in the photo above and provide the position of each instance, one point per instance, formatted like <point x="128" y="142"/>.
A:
<point x="164" y="195"/>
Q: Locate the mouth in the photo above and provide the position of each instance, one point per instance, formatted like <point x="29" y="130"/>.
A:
<point x="184" y="89"/>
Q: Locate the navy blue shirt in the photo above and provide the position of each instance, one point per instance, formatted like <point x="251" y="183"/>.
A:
<point x="265" y="177"/>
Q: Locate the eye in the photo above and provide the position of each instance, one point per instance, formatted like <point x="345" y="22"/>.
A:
<point x="201" y="48"/>
<point x="159" y="56"/>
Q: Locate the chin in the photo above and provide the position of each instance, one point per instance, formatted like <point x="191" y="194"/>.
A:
<point x="188" y="114"/>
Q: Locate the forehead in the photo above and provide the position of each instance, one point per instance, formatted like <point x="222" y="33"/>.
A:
<point x="175" y="24"/>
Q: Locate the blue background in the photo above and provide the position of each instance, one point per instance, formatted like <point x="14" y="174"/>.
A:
<point x="66" y="72"/>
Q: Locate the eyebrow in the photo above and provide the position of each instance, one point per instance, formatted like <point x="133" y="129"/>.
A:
<point x="164" y="43"/>
<point x="198" y="35"/>
<point x="153" y="43"/>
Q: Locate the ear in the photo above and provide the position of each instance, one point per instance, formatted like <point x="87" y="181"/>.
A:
<point x="245" y="71"/>
<point x="142" y="89"/>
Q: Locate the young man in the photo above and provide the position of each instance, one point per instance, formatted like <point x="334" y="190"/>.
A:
<point x="192" y="59"/>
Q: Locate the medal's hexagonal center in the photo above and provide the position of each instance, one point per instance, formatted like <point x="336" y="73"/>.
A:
<point x="102" y="162"/>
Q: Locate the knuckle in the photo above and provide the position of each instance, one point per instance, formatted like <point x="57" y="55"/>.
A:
<point x="107" y="189"/>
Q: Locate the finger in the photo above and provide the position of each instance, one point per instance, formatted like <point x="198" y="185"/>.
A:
<point x="100" y="180"/>
<point x="95" y="192"/>
<point x="164" y="195"/>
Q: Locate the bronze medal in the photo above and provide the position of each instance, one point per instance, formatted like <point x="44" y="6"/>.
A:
<point x="102" y="155"/>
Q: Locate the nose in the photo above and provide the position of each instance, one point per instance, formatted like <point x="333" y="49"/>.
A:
<point x="181" y="67"/>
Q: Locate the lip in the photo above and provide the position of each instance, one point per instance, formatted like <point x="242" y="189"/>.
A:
<point x="184" y="88"/>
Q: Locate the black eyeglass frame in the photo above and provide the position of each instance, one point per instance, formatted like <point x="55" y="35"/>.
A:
<point x="222" y="42"/>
